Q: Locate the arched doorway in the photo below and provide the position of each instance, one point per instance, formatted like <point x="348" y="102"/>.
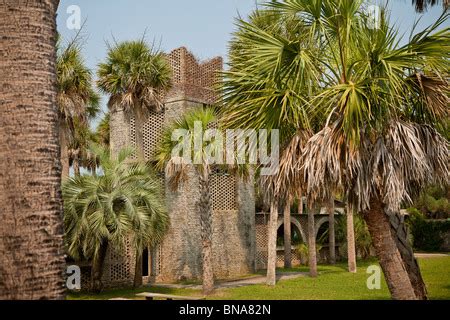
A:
<point x="296" y="236"/>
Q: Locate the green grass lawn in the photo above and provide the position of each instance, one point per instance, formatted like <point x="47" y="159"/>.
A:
<point x="333" y="282"/>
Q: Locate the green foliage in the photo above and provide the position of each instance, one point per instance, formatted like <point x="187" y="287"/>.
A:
<point x="427" y="235"/>
<point x="363" y="241"/>
<point x="374" y="102"/>
<point x="132" y="75"/>
<point x="76" y="96"/>
<point x="434" y="202"/>
<point x="303" y="252"/>
<point x="102" y="133"/>
<point x="204" y="117"/>
<point x="126" y="201"/>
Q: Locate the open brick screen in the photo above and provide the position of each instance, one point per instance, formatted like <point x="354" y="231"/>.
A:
<point x="261" y="241"/>
<point x="197" y="79"/>
<point x="223" y="191"/>
<point x="152" y="133"/>
<point x="121" y="264"/>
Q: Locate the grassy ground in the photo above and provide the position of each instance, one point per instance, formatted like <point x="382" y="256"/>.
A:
<point x="333" y="282"/>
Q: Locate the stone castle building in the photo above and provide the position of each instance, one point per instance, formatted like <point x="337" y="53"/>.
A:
<point x="179" y="255"/>
<point x="239" y="234"/>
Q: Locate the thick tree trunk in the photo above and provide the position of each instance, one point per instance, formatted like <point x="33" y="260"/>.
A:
<point x="31" y="245"/>
<point x="206" y="232"/>
<point x="387" y="252"/>
<point x="97" y="268"/>
<point x="272" y="244"/>
<point x="331" y="232"/>
<point x="287" y="234"/>
<point x="412" y="267"/>
<point x="351" y="246"/>
<point x="138" y="271"/>
<point x="312" y="254"/>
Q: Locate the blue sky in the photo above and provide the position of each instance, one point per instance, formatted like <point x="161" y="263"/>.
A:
<point x="203" y="26"/>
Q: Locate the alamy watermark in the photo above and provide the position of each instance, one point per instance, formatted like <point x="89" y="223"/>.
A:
<point x="374" y="280"/>
<point x="373" y="14"/>
<point x="232" y="147"/>
<point x="73" y="281"/>
<point x="73" y="22"/>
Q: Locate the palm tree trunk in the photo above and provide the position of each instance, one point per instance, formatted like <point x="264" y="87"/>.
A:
<point x="351" y="247"/>
<point x="287" y="234"/>
<point x="331" y="232"/>
<point x="312" y="254"/>
<point x="272" y="244"/>
<point x="94" y="170"/>
<point x="300" y="203"/>
<point x="97" y="268"/>
<point x="206" y="232"/>
<point x="398" y="228"/>
<point x="389" y="256"/>
<point x="139" y="123"/>
<point x="139" y="127"/>
<point x="63" y="140"/>
<point x="76" y="163"/>
<point x="138" y="271"/>
<point x="31" y="247"/>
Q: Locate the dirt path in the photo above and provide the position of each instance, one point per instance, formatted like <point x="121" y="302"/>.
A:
<point x="431" y="255"/>
<point x="236" y="283"/>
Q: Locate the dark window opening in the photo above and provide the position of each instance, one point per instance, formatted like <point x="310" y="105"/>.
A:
<point x="296" y="236"/>
<point x="145" y="263"/>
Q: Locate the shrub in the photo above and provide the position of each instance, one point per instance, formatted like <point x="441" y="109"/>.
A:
<point x="427" y="234"/>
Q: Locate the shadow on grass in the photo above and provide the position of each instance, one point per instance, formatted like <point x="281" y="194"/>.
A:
<point x="129" y="293"/>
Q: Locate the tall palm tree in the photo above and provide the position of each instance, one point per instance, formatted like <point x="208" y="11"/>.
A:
<point x="77" y="100"/>
<point x="331" y="233"/>
<point x="351" y="248"/>
<point x="422" y="5"/>
<point x="377" y="105"/>
<point x="79" y="151"/>
<point x="287" y="234"/>
<point x="32" y="257"/>
<point x="257" y="98"/>
<point x="103" y="211"/>
<point x="176" y="171"/>
<point x="102" y="132"/>
<point x="134" y="75"/>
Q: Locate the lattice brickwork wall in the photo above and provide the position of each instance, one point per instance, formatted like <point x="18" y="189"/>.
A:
<point x="121" y="265"/>
<point x="261" y="241"/>
<point x="152" y="133"/>
<point x="223" y="191"/>
<point x="295" y="258"/>
<point x="196" y="79"/>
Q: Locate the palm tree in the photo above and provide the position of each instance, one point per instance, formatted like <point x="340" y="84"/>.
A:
<point x="422" y="5"/>
<point x="287" y="234"/>
<point x="377" y="105"/>
<point x="77" y="100"/>
<point x="134" y="75"/>
<point x="331" y="233"/>
<point x="103" y="211"/>
<point x="176" y="168"/>
<point x="79" y="151"/>
<point x="32" y="262"/>
<point x="256" y="98"/>
<point x="103" y="131"/>
<point x="351" y="249"/>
